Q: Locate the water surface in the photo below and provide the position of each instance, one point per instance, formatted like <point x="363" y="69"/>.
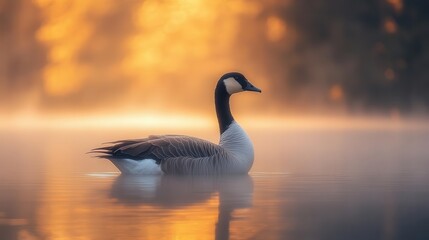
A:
<point x="305" y="184"/>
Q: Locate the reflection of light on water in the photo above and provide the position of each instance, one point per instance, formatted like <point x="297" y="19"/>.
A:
<point x="261" y="174"/>
<point x="163" y="207"/>
<point x="74" y="207"/>
<point x="194" y="206"/>
<point x="103" y="174"/>
<point x="11" y="221"/>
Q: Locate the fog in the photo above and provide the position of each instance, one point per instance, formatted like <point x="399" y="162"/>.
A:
<point x="78" y="58"/>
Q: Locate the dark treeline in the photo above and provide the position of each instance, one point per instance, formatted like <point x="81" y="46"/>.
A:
<point x="365" y="55"/>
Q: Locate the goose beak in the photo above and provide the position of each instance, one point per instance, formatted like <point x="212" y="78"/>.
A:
<point x="251" y="88"/>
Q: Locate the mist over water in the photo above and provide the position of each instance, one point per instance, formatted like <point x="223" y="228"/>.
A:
<point x="315" y="184"/>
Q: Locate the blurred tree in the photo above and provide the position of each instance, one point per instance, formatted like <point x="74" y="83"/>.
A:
<point x="374" y="51"/>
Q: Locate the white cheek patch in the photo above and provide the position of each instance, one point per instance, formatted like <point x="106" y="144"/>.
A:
<point x="232" y="86"/>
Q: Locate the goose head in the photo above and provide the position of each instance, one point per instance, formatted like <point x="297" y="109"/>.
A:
<point x="235" y="82"/>
<point x="227" y="85"/>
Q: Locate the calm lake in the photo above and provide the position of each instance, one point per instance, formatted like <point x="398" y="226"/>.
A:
<point x="304" y="184"/>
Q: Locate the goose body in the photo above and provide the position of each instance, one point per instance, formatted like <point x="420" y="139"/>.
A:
<point x="179" y="154"/>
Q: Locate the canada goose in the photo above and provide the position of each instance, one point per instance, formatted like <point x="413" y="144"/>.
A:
<point x="178" y="154"/>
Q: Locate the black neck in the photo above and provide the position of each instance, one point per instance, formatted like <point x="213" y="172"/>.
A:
<point x="223" y="112"/>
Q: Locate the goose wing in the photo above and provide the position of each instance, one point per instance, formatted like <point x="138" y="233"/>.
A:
<point x="159" y="148"/>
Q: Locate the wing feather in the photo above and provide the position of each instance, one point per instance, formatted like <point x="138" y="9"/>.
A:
<point x="160" y="147"/>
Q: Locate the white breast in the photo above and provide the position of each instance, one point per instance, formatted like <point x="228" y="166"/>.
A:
<point x="238" y="144"/>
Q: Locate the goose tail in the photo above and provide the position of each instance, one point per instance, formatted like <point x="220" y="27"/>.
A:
<point x="125" y="165"/>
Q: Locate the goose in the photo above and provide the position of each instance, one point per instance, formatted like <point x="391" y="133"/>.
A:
<point x="185" y="155"/>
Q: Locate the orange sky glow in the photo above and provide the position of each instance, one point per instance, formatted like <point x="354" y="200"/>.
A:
<point x="157" y="62"/>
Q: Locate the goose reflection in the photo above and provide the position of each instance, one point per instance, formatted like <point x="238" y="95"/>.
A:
<point x="173" y="192"/>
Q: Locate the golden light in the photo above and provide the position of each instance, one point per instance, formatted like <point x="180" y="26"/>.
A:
<point x="390" y="26"/>
<point x="64" y="32"/>
<point x="130" y="63"/>
<point x="336" y="93"/>
<point x="172" y="35"/>
<point x="396" y="4"/>
<point x="90" y="70"/>
<point x="276" y="28"/>
<point x="157" y="46"/>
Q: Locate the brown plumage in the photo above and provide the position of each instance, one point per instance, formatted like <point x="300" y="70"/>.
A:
<point x="174" y="153"/>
